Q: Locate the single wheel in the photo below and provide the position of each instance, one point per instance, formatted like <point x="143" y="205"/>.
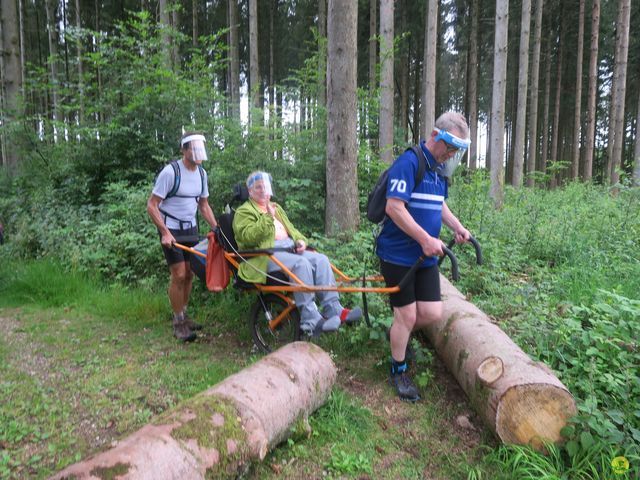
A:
<point x="266" y="308"/>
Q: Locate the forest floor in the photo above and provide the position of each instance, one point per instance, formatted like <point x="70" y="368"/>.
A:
<point x="71" y="384"/>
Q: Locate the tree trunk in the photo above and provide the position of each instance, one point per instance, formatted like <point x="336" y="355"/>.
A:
<point x="254" y="68"/>
<point x="11" y="85"/>
<point x="417" y="92"/>
<point x="165" y="21"/>
<point x="342" y="213"/>
<point x="521" y="400"/>
<point x="215" y="433"/>
<point x="373" y="43"/>
<point x="589" y="141"/>
<point x="636" y="153"/>
<point x="80" y="67"/>
<point x="322" y="53"/>
<point x="472" y="85"/>
<point x="194" y="23"/>
<point x="386" y="81"/>
<point x="234" y="59"/>
<point x="50" y="7"/>
<point x="545" y="116"/>
<point x="498" y="101"/>
<point x="533" y="95"/>
<point x="523" y="76"/>
<point x="556" y="110"/>
<point x="616" y="120"/>
<point x="575" y="157"/>
<point x="429" y="69"/>
<point x="403" y="74"/>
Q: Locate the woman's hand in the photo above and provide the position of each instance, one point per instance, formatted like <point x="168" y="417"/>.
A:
<point x="271" y="209"/>
<point x="300" y="246"/>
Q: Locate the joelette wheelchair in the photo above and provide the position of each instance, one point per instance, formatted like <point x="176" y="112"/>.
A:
<point x="274" y="319"/>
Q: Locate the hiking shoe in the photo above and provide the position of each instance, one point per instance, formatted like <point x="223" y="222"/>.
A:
<point x="404" y="386"/>
<point x="350" y="316"/>
<point x="409" y="354"/>
<point x="182" y="332"/>
<point x="190" y="323"/>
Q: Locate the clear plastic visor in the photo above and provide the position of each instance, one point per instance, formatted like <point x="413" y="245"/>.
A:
<point x="260" y="184"/>
<point x="196" y="144"/>
<point x="452" y="141"/>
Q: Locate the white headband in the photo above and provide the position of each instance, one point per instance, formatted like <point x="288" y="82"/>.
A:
<point x="191" y="138"/>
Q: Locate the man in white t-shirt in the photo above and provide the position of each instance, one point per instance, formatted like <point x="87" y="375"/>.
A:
<point x="181" y="190"/>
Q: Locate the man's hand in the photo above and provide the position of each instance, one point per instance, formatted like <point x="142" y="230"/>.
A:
<point x="462" y="235"/>
<point x="167" y="239"/>
<point x="300" y="246"/>
<point x="432" y="247"/>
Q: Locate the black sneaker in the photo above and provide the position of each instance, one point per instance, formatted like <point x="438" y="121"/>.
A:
<point x="409" y="354"/>
<point x="404" y="386"/>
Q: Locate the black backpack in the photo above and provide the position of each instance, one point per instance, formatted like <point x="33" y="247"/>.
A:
<point x="377" y="200"/>
<point x="177" y="177"/>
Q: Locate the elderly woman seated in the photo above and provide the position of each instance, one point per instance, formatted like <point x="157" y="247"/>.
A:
<point x="260" y="223"/>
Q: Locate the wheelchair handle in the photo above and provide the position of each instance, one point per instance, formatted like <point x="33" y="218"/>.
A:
<point x="476" y="246"/>
<point x="454" y="267"/>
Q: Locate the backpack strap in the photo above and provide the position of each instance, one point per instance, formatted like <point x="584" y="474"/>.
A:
<point x="422" y="164"/>
<point x="201" y="170"/>
<point x="176" y="179"/>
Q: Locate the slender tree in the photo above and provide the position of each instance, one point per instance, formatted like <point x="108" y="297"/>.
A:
<point x="589" y="141"/>
<point x="51" y="7"/>
<point x="373" y="43"/>
<point x="403" y="74"/>
<point x="533" y="91"/>
<point x="575" y="157"/>
<point x="386" y="81"/>
<point x="341" y="211"/>
<point x="556" y="110"/>
<point x="429" y="68"/>
<point x="616" y="118"/>
<point x="545" y="114"/>
<point x="234" y="59"/>
<point x="498" y="101"/>
<point x="11" y="75"/>
<point x="322" y="61"/>
<point x="254" y="68"/>
<point x="472" y="84"/>
<point x="636" y="152"/>
<point x="521" y="115"/>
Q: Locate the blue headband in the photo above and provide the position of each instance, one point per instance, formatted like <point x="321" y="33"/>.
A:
<point x="258" y="176"/>
<point x="452" y="139"/>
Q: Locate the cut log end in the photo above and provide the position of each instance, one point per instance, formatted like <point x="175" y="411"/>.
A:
<point x="490" y="370"/>
<point x="533" y="414"/>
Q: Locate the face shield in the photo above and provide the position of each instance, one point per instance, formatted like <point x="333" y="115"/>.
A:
<point x="196" y="143"/>
<point x="454" y="144"/>
<point x="260" y="184"/>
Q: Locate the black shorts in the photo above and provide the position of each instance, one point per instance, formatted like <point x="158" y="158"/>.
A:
<point x="423" y="286"/>
<point x="188" y="237"/>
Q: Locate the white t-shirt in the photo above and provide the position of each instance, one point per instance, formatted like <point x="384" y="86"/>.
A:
<point x="183" y="205"/>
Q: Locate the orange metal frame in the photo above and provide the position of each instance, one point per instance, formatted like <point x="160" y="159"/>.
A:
<point x="343" y="281"/>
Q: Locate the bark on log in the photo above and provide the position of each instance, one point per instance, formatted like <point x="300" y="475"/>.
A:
<point x="218" y="432"/>
<point x="522" y="401"/>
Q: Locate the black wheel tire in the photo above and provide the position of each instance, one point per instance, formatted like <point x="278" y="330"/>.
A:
<point x="288" y="331"/>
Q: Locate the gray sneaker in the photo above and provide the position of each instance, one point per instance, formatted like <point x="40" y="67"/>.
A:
<point x="190" y="323"/>
<point x="182" y="332"/>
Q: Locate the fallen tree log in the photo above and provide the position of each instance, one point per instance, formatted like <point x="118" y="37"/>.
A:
<point x="522" y="401"/>
<point x="220" y="431"/>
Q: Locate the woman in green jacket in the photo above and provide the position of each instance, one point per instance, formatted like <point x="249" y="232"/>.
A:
<point x="260" y="223"/>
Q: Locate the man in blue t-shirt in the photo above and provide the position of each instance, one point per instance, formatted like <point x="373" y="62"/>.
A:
<point x="415" y="216"/>
<point x="176" y="197"/>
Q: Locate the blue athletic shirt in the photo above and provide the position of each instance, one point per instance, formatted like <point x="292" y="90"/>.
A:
<point x="424" y="204"/>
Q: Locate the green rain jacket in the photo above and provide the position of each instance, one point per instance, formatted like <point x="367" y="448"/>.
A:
<point x="254" y="230"/>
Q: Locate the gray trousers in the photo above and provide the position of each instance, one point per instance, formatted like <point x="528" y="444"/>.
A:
<point x="313" y="269"/>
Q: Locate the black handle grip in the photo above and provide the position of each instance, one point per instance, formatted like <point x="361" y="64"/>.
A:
<point x="455" y="275"/>
<point x="473" y="242"/>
